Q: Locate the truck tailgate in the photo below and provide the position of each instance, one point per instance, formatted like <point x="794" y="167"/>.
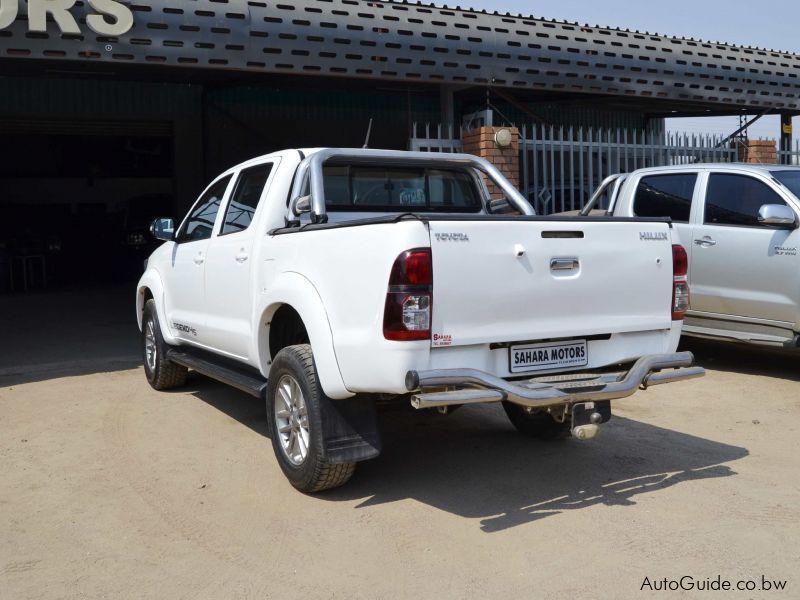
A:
<point x="512" y="280"/>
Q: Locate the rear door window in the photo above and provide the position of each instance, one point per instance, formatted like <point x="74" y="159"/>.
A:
<point x="245" y="198"/>
<point x="736" y="199"/>
<point x="665" y="196"/>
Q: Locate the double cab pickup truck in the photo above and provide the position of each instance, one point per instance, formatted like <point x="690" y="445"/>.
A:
<point x="327" y="281"/>
<point x="740" y="225"/>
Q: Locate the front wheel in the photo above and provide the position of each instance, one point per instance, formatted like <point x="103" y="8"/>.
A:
<point x="161" y="373"/>
<point x="294" y="396"/>
<point x="539" y="424"/>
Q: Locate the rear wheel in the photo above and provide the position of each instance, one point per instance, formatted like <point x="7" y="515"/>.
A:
<point x="294" y="396"/>
<point x="161" y="373"/>
<point x="539" y="424"/>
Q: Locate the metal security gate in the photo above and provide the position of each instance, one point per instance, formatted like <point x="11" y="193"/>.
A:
<point x="434" y="139"/>
<point x="789" y="155"/>
<point x="562" y="167"/>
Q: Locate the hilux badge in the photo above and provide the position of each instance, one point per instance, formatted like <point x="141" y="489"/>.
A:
<point x="652" y="236"/>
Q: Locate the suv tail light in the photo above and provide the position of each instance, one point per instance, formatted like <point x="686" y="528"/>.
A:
<point x="680" y="284"/>
<point x="409" y="299"/>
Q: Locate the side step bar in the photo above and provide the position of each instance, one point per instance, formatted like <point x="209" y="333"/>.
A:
<point x="226" y="371"/>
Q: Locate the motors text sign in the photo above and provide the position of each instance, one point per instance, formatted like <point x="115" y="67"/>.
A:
<point x="104" y="17"/>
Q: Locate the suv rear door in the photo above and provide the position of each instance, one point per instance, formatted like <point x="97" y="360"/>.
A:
<point x="229" y="281"/>
<point x="669" y="194"/>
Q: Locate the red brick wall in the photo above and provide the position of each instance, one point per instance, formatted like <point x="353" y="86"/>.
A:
<point x="480" y="142"/>
<point x="759" y="151"/>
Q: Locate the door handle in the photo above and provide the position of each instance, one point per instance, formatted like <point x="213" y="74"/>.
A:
<point x="199" y="259"/>
<point x="564" y="264"/>
<point x="706" y="241"/>
<point x="241" y="257"/>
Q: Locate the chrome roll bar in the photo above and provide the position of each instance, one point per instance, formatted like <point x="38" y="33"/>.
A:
<point x="309" y="173"/>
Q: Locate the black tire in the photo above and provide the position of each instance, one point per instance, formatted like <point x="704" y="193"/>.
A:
<point x="540" y="425"/>
<point x="309" y="473"/>
<point x="162" y="374"/>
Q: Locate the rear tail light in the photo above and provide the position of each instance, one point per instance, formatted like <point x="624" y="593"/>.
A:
<point x="409" y="299"/>
<point x="680" y="284"/>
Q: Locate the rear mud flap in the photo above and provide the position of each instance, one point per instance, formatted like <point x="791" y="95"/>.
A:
<point x="350" y="430"/>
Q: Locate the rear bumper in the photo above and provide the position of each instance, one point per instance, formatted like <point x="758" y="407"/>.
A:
<point x="446" y="387"/>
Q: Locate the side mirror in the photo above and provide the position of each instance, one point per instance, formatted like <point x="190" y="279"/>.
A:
<point x="300" y="205"/>
<point x="777" y="214"/>
<point x="163" y="229"/>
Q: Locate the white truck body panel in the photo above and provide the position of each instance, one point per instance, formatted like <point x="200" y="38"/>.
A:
<point x="513" y="298"/>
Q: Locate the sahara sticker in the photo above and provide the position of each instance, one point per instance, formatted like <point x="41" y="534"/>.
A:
<point x="440" y="339"/>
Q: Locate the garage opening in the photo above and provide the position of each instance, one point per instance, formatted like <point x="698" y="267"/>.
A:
<point x="77" y="199"/>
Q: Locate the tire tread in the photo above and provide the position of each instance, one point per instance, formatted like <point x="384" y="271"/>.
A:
<point x="168" y="375"/>
<point x="325" y="475"/>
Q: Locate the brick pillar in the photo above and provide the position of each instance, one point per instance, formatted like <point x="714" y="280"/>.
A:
<point x="759" y="151"/>
<point x="480" y="142"/>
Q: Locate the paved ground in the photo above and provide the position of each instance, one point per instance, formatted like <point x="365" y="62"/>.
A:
<point x="112" y="490"/>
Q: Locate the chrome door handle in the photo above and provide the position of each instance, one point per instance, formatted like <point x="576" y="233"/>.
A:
<point x="199" y="259"/>
<point x="564" y="264"/>
<point x="241" y="257"/>
<point x="706" y="241"/>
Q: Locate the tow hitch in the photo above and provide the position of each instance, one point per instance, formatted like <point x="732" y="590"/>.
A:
<point x="587" y="418"/>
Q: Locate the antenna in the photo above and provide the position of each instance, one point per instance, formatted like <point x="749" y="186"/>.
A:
<point x="369" y="130"/>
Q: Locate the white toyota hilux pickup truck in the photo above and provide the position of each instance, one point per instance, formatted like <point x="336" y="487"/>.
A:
<point x="326" y="280"/>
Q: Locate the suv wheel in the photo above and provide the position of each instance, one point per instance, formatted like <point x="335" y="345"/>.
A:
<point x="293" y="408"/>
<point x="162" y="374"/>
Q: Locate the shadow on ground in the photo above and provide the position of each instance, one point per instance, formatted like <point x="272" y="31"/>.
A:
<point x="473" y="464"/>
<point x="747" y="359"/>
<point x="67" y="333"/>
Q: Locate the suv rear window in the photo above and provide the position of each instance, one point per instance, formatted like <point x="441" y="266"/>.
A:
<point x="392" y="189"/>
<point x="665" y="196"/>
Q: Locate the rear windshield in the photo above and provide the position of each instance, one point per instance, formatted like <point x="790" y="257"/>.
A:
<point x="791" y="179"/>
<point x="391" y="189"/>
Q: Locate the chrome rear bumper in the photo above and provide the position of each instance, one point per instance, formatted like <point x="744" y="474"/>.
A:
<point x="446" y="387"/>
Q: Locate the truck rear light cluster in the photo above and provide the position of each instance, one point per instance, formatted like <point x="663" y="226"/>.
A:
<point x="409" y="299"/>
<point x="680" y="283"/>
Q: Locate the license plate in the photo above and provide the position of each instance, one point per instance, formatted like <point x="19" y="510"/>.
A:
<point x="554" y="355"/>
